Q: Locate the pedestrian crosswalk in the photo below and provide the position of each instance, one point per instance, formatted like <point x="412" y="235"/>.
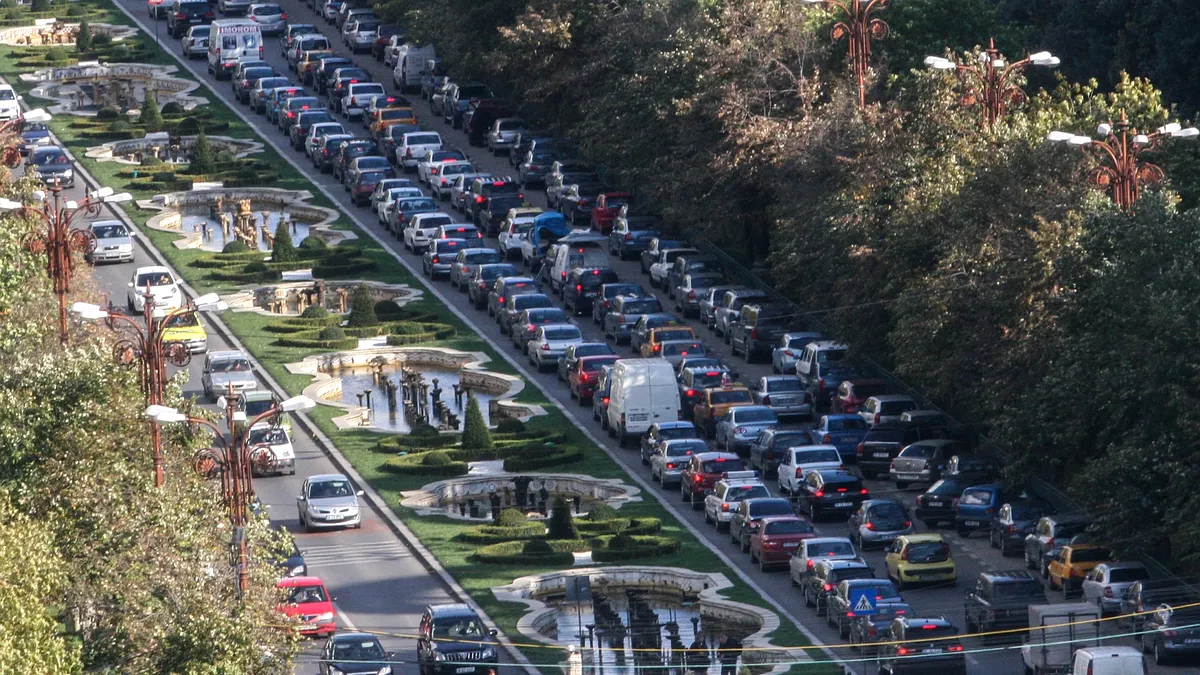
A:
<point x="318" y="556"/>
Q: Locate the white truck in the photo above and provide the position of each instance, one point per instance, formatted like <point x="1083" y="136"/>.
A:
<point x="410" y="66"/>
<point x="643" y="392"/>
<point x="230" y="41"/>
<point x="1055" y="633"/>
<point x="1109" y="661"/>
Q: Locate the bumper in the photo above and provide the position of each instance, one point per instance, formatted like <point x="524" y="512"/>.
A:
<point x="318" y="521"/>
<point x="327" y="628"/>
<point x="845" y="505"/>
<point x="972" y="523"/>
<point x="112" y="256"/>
<point x="440" y="268"/>
<point x="502" y="144"/>
<point x="196" y="345"/>
<point x="876" y="464"/>
<point x="777" y="556"/>
<point x="939" y="572"/>
<point x="271" y="28"/>
<point x="802" y="410"/>
<point x="741" y="444"/>
<point x="361" y="43"/>
<point x="548" y="355"/>
<point x="281" y="466"/>
<point x="924" y="665"/>
<point x="723" y="516"/>
<point x="877" y="538"/>
<point x="787" y="364"/>
<point x="352" y="110"/>
<point x="226" y="67"/>
<point x="452" y="668"/>
<point x="588" y="391"/>
<point x="671" y="476"/>
<point x="1178" y="648"/>
<point x="932" y="513"/>
<point x="916" y="477"/>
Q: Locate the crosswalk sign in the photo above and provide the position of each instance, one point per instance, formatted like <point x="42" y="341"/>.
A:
<point x="863" y="601"/>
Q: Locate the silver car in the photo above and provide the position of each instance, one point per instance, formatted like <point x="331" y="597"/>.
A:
<point x="878" y="522"/>
<point x="675" y="351"/>
<point x="361" y="36"/>
<point x="785" y="354"/>
<point x="269" y="17"/>
<point x="669" y="456"/>
<point x="784" y="394"/>
<point x="467" y="261"/>
<point x="738" y="427"/>
<point x="225" y="369"/>
<point x="550" y="342"/>
<point x="1106" y="583"/>
<point x="114" y="242"/>
<point x="194" y="44"/>
<point x="503" y="134"/>
<point x="439" y="256"/>
<point x="328" y="500"/>
<point x="711" y="300"/>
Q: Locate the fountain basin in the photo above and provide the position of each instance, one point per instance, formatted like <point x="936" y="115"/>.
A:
<point x="130" y="152"/>
<point x="87" y="87"/>
<point x="445" y="498"/>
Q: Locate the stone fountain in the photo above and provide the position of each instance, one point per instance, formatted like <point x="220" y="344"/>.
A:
<point x="87" y="87"/>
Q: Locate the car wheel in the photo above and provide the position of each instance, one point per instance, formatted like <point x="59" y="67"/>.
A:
<point x="743" y="544"/>
<point x="683" y="495"/>
<point x="808" y="601"/>
<point x="900" y="485"/>
<point x="1160" y="657"/>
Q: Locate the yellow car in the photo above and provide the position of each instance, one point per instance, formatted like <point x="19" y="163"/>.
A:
<point x="186" y="328"/>
<point x="382" y="119"/>
<point x="308" y="61"/>
<point x="920" y="558"/>
<point x="652" y="346"/>
<point x="1067" y="570"/>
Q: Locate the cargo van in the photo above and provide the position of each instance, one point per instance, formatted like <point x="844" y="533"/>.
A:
<point x="231" y="40"/>
<point x="410" y="66"/>
<point x="643" y="392"/>
<point x="578" y="249"/>
<point x="1109" y="661"/>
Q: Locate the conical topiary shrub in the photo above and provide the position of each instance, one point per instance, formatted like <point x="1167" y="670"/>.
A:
<point x="202" y="161"/>
<point x="151" y="117"/>
<point x="362" y="309"/>
<point x="561" y="525"/>
<point x="83" y="39"/>
<point x="283" y="251"/>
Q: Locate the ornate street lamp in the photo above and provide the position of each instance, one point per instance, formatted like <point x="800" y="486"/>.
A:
<point x="145" y="347"/>
<point x="991" y="83"/>
<point x="1121" y="145"/>
<point x="59" y="241"/>
<point x="10" y="155"/>
<point x="233" y="460"/>
<point x="859" y="27"/>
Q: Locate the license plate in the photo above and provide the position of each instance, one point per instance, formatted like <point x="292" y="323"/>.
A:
<point x="1192" y="641"/>
<point x="971" y="523"/>
<point x="309" y="626"/>
<point x="935" y="504"/>
<point x="931" y="651"/>
<point x="791" y="544"/>
<point x="336" y="516"/>
<point x="639" y="417"/>
<point x="880" y="455"/>
<point x="468" y="669"/>
<point x="906" y="476"/>
<point x="841" y="505"/>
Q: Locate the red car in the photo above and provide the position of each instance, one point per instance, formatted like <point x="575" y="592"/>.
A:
<point x="583" y="378"/>
<point x="851" y="394"/>
<point x="309" y="600"/>
<point x="608" y="205"/>
<point x="776" y="540"/>
<point x="703" y="470"/>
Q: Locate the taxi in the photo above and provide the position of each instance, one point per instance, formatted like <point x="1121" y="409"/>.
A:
<point x="652" y="345"/>
<point x="1067" y="570"/>
<point x="714" y="402"/>
<point x="185" y="328"/>
<point x="386" y="117"/>
<point x="307" y="64"/>
<point x="920" y="558"/>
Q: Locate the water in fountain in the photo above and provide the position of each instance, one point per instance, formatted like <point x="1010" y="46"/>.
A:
<point x="357" y="380"/>
<point x="194" y="219"/>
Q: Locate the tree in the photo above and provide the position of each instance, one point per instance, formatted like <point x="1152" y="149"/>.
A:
<point x="151" y="117"/>
<point x="283" y="251"/>
<point x="561" y="525"/>
<point x="202" y="162"/>
<point x="362" y="308"/>
<point x="83" y="40"/>
<point x="476" y="436"/>
<point x="39" y="6"/>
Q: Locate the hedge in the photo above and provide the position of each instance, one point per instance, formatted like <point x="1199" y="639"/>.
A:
<point x="494" y="534"/>
<point x="419" y="443"/>
<point x="411" y="465"/>
<point x="646" y="546"/>
<point x="314" y="342"/>
<point x="330" y="271"/>
<point x="630" y="526"/>
<point x="514" y="553"/>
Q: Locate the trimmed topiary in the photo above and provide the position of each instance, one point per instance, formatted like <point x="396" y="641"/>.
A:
<point x="423" y="429"/>
<point x="510" y="425"/>
<point x="151" y="117"/>
<point x="602" y="512"/>
<point x="108" y="114"/>
<point x="314" y="312"/>
<point x="235" y="246"/>
<point x="313" y="243"/>
<point x="330" y="333"/>
<point x="101" y="40"/>
<point x="436" y="458"/>
<point x="538" y="546"/>
<point x="362" y="308"/>
<point x="83" y="39"/>
<point x="39" y="5"/>
<point x="512" y="518"/>
<point x="475" y="435"/>
<point x="561" y="525"/>
<point x="283" y="251"/>
<point x="173" y="108"/>
<point x="56" y="54"/>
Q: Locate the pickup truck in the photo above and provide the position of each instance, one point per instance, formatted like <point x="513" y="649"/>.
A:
<point x="1056" y="631"/>
<point x="712" y="404"/>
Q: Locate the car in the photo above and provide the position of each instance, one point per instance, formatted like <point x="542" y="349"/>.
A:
<point x="777" y="538"/>
<point x="51" y="165"/>
<point x="309" y="601"/>
<point x="1105" y="584"/>
<point x="877" y="522"/>
<point x="328" y="501"/>
<point x="404" y="211"/>
<point x="813" y="550"/>
<point x="650" y="343"/>
<point x="480" y="118"/>
<point x="436" y="157"/>
<point x="722" y="500"/>
<point x="495" y="208"/>
<point x="978" y="468"/>
<point x="279" y="457"/>
<point x="459" y="231"/>
<point x="676" y="352"/>
<point x="711" y="300"/>
<point x="866" y="632"/>
<point x="841" y="607"/>
<point x="359" y="35"/>
<point x="883" y="442"/>
<point x="601" y="397"/>
<point x="1171" y="634"/>
<point x="976" y="506"/>
<point x="289" y="558"/>
<point x="245" y="84"/>
<point x="383" y="37"/>
<point x="533" y="167"/>
<point x="625" y="312"/>
<point x="1068" y="569"/>
<point x="269" y="16"/>
<point x="458" y="98"/>
<point x="351" y="652"/>
<point x="484" y="278"/>
<point x="377" y="119"/>
<point x="844" y="432"/>
<point x="664" y="431"/>
<point x="194" y="43"/>
<point x="1015" y="521"/>
<point x="292" y="33"/>
<point x="549" y="342"/>
<point x="641" y="330"/>
<point x="822" y="581"/>
<point x="525" y="325"/>
<point x="731" y="308"/>
<point x="276" y="98"/>
<point x="185" y="14"/>
<point x="503" y="134"/>
<point x="257" y="96"/>
<point x="797" y="461"/>
<point x="504" y="289"/>
<point x="702" y="472"/>
<point x="999" y="601"/>
<point x="227" y="370"/>
<point x="694" y="379"/>
<point x="186" y="329"/>
<point x="460" y="189"/>
<point x="415" y="145"/>
<point x="749" y="514"/>
<point x="1144" y="595"/>
<point x="739" y="426"/>
<point x="923" y="461"/>
<point x="304" y="120"/>
<point x="1050" y="530"/>
<point x="387" y="194"/>
<point x="830" y="490"/>
<point x="362" y="164"/>
<point x="920" y="558"/>
<point x="439" y="256"/>
<point x="607" y="293"/>
<point x="422" y="226"/>
<point x="909" y="636"/>
<point x="33" y="136"/>
<point x="583" y="377"/>
<point x="757" y="327"/>
<point x="851" y="394"/>
<point x="156" y="283"/>
<point x="714" y="402"/>
<point x="114" y="242"/>
<point x="452" y="640"/>
<point x="788" y="348"/>
<point x="938" y="503"/>
<point x="883" y="408"/>
<point x="575" y="352"/>
<point x="349" y="12"/>
<point x="467" y="261"/>
<point x="315" y="143"/>
<point x="482" y="189"/>
<point x="783" y="394"/>
<point x="691" y="289"/>
<point x="665" y="260"/>
<point x="668" y="457"/>
<point x="822" y="365"/>
<point x="254" y="403"/>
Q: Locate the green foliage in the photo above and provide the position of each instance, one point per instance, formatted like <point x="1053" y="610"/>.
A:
<point x="510" y="425"/>
<point x="73" y="10"/>
<point x="314" y="244"/>
<point x="512" y="518"/>
<point x="122" y="127"/>
<point x="83" y="39"/>
<point x="56" y="55"/>
<point x="39" y="5"/>
<point x="545" y="552"/>
<point x="475" y="431"/>
<point x="424" y="430"/>
<point x="537" y="547"/>
<point x="314" y="312"/>
<point x="151" y="116"/>
<point x="283" y="250"/>
<point x="235" y="246"/>
<point x="331" y="333"/>
<point x="108" y="114"/>
<point x="561" y="525"/>
<point x="174" y="108"/>
<point x="601" y="512"/>
<point x="148" y="160"/>
<point x="202" y="156"/>
<point x="101" y="40"/>
<point x="436" y="458"/>
<point x="362" y="308"/>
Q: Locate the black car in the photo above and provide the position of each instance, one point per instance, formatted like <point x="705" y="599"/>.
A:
<point x="922" y="647"/>
<point x="830" y="490"/>
<point x="937" y="504"/>
<point x="353" y="653"/>
<point x="51" y="165"/>
<point x="484" y="278"/>
<point x="290" y="560"/>
<point x="304" y="121"/>
<point x="495" y="208"/>
<point x="186" y="13"/>
<point x="605" y="297"/>
<point x="1013" y="522"/>
<point x="348" y="151"/>
<point x="973" y="469"/>
<point x="453" y="641"/>
<point x="583" y="285"/>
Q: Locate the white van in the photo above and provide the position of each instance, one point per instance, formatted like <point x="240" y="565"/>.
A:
<point x="1108" y="661"/>
<point x="410" y="66"/>
<point x="643" y="392"/>
<point x="231" y="40"/>
<point x="578" y="249"/>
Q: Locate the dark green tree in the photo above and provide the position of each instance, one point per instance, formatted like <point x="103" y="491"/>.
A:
<point x="362" y="308"/>
<point x="202" y="161"/>
<point x="151" y="117"/>
<point x="561" y="525"/>
<point x="39" y="6"/>
<point x="83" y="40"/>
<point x="284" y="250"/>
<point x="475" y="436"/>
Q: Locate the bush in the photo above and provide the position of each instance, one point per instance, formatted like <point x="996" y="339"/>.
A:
<point x="424" y="429"/>
<point x="436" y="458"/>
<point x="362" y="308"/>
<point x="622" y="541"/>
<point x="510" y="425"/>
<point x="495" y="534"/>
<point x="202" y="154"/>
<point x="39" y="5"/>
<point x="283" y="251"/>
<point x="101" y="40"/>
<point x="108" y="114"/>
<point x="83" y="39"/>
<point x="166" y="177"/>
<point x="514" y="553"/>
<point x="235" y="246"/>
<point x="151" y="117"/>
<point x="475" y="432"/>
<point x="602" y="512"/>
<point x="313" y="311"/>
<point x="512" y="518"/>
<point x="313" y="243"/>
<point x="56" y="54"/>
<point x="73" y="10"/>
<point x="330" y="333"/>
<point x="122" y="127"/>
<point x="561" y="525"/>
<point x="537" y="547"/>
<point x="8" y="4"/>
<point x="626" y="547"/>
<point x="173" y="108"/>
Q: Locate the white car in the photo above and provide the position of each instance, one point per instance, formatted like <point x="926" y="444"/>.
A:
<point x="549" y="343"/>
<point x="317" y="134"/>
<point x="666" y="260"/>
<point x="10" y="103"/>
<point x="278" y="443"/>
<point x="440" y="185"/>
<point x="389" y="197"/>
<point x="727" y="493"/>
<point x="800" y="460"/>
<point x="157" y="282"/>
<point x="461" y="187"/>
<point x="392" y="49"/>
<point x="427" y="160"/>
<point x="510" y="238"/>
<point x="388" y="184"/>
<point x="423" y="228"/>
<point x="433" y="170"/>
<point x="328" y="500"/>
<point x="357" y="97"/>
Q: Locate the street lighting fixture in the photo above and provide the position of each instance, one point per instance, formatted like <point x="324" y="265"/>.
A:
<point x="1121" y="146"/>
<point x="859" y="27"/>
<point x="992" y="83"/>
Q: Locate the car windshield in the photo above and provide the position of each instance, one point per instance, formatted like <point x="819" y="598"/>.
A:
<point x="359" y="650"/>
<point x="648" y="306"/>
<point x="503" y="204"/>
<point x="231" y="366"/>
<point x="489" y="273"/>
<point x="885" y="436"/>
<point x="563" y="334"/>
<point x="721" y="465"/>
<point x="734" y="396"/>
<point x="369" y="177"/>
<point x="458" y="627"/>
<point x="576" y="178"/>
<point x="708" y="378"/>
<point x="613" y="290"/>
<point x="789" y="439"/>
<point x="482" y="257"/>
<point x="850" y="573"/>
<point x="7" y="95"/>
<point x="817" y="456"/>
<point x="367" y="26"/>
<point x="847" y="424"/>
<point x="869" y="390"/>
<point x="305" y="594"/>
<point x="272" y="82"/>
<point x="592" y="365"/>
<point x="677" y="432"/>
<point x="683" y="449"/>
<point x="109" y="231"/>
<point x="698" y="281"/>
<point x="531" y="300"/>
<point x="259" y="406"/>
<point x="737" y="493"/>
<point x="829" y="548"/>
<point x="154" y="279"/>
<point x="753" y="416"/>
<point x="329" y="488"/>
<point x="934" y="631"/>
<point x="788" y="527"/>
<point x="883" y="589"/>
<point x="888" y="512"/>
<point x="945" y="487"/>
<point x="267" y="10"/>
<point x="542" y="157"/>
<point x="973" y="497"/>
<point x="447" y="245"/>
<point x="896" y="407"/>
<point x="771" y="507"/>
<point x="269" y="436"/>
<point x="48" y="158"/>
<point x="185" y="320"/>
<point x="424" y="139"/>
<point x="435" y="221"/>
<point x="547" y="315"/>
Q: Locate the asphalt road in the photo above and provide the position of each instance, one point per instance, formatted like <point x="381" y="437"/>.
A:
<point x="367" y="595"/>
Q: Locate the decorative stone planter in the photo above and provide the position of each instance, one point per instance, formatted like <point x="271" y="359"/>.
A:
<point x="284" y="299"/>
<point x="125" y="152"/>
<point x="86" y="87"/>
<point x="50" y="32"/>
<point x="444" y="498"/>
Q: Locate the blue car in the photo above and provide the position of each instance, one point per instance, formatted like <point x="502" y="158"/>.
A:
<point x="34" y="135"/>
<point x="843" y="432"/>
<point x="977" y="506"/>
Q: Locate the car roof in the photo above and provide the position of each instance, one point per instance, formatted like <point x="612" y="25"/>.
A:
<point x="924" y="538"/>
<point x="743" y="408"/>
<point x="324" y="477"/>
<point x="845" y="564"/>
<point x="705" y="456"/>
<point x="673" y="425"/>
<point x="828" y="344"/>
<point x="808" y="448"/>
<point x="1010" y="576"/>
<point x="291" y="582"/>
<point x="352" y="637"/>
<point x="828" y="474"/>
<point x="452" y="609"/>
<point x="227" y="354"/>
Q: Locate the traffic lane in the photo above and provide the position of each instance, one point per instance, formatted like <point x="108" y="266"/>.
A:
<point x="378" y="583"/>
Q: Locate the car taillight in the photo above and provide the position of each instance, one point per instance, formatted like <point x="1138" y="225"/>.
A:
<point x="180" y="16"/>
<point x="546" y="346"/>
<point x="605" y="400"/>
<point x="1049" y="542"/>
<point x="479" y="199"/>
<point x="954" y="503"/>
<point x="859" y="449"/>
<point x="530" y="328"/>
<point x="754" y="334"/>
<point x="697" y="477"/>
<point x="863" y="491"/>
<point x="670" y="466"/>
<point x="283" y="17"/>
<point x="628" y="236"/>
<point x="578" y="288"/>
<point x="563" y="275"/>
<point x="904" y="554"/>
<point x="828" y="587"/>
<point x="724" y="507"/>
<point x="871" y="526"/>
<point x="260" y="50"/>
<point x="501" y="299"/>
<point x="433" y="172"/>
<point x="819" y="494"/>
<point x="690" y="392"/>
<point x="245" y="83"/>
<point x="877" y="417"/>
<point x="959" y="648"/>
<point x="584" y="377"/>
<point x="657" y="348"/>
<point x="821" y="384"/>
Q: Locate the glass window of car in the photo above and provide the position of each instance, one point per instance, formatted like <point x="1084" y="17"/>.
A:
<point x="886" y="512"/>
<point x="918" y="451"/>
<point x="358" y="650"/>
<point x="732" y="396"/>
<point x="230" y="366"/>
<point x="769" y="507"/>
<point x="562" y="333"/>
<point x="470" y="91"/>
<point x="1031" y="589"/>
<point x="456" y="627"/>
<point x="112" y="231"/>
<point x="305" y="594"/>
<point x="737" y="493"/>
<point x="753" y="416"/>
<point x="975" y="497"/>
<point x="1127" y="574"/>
<point x="329" y="488"/>
<point x="781" y="385"/>
<point x="830" y="355"/>
<point x="268" y="435"/>
<point x="788" y="527"/>
<point x="185" y="320"/>
<point x="684" y="449"/>
<point x="813" y="456"/>
<point x="928" y="552"/>
<point x="482" y="257"/>
<point x="828" y="548"/>
<point x="722" y="465"/>
<point x="1090" y="555"/>
<point x="895" y="407"/>
<point x="153" y="279"/>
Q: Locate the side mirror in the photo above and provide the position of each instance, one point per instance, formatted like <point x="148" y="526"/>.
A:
<point x="300" y="497"/>
<point x="358" y="494"/>
<point x="391" y="655"/>
<point x="493" y="632"/>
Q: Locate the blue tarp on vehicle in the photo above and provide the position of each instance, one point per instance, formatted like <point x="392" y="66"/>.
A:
<point x="547" y="229"/>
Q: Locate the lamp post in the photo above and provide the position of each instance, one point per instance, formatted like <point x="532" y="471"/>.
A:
<point x="149" y="350"/>
<point x="233" y="459"/>
<point x="10" y="156"/>
<point x="59" y="240"/>
<point x="991" y="83"/>
<point x="859" y="27"/>
<point x="1121" y="145"/>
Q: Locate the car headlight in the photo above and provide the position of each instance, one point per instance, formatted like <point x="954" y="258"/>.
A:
<point x="125" y="247"/>
<point x="438" y="656"/>
<point x="386" y="670"/>
<point x="489" y="653"/>
<point x="327" y="616"/>
<point x="68" y="173"/>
